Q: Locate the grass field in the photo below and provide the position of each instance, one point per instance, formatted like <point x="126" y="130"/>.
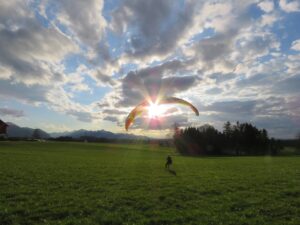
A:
<point x="85" y="183"/>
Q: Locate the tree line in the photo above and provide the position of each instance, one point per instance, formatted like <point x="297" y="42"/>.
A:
<point x="235" y="139"/>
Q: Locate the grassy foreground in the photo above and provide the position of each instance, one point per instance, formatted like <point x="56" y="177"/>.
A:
<point x="85" y="183"/>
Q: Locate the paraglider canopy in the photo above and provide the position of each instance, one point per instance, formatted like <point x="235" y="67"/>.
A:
<point x="155" y="108"/>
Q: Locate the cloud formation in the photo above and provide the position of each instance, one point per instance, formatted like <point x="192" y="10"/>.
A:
<point x="93" y="60"/>
<point x="289" y="6"/>
<point x="296" y="45"/>
<point x="11" y="112"/>
<point x="266" y="6"/>
<point x="29" y="52"/>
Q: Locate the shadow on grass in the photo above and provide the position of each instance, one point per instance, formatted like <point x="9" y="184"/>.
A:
<point x="173" y="172"/>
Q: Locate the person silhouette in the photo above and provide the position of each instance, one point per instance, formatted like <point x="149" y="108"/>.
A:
<point x="169" y="162"/>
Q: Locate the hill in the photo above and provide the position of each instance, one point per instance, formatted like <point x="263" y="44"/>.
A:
<point x="97" y="134"/>
<point x="14" y="131"/>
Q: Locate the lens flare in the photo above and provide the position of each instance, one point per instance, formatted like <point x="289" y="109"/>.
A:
<point x="155" y="110"/>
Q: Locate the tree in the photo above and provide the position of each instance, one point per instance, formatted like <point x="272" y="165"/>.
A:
<point x="241" y="137"/>
<point x="227" y="129"/>
<point x="298" y="140"/>
<point x="178" y="142"/>
<point x="36" y="134"/>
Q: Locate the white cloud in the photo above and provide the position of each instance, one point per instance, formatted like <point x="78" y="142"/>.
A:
<point x="5" y="72"/>
<point x="268" y="19"/>
<point x="296" y="45"/>
<point x="11" y="112"/>
<point x="154" y="30"/>
<point x="293" y="64"/>
<point x="84" y="18"/>
<point x="31" y="62"/>
<point x="29" y="52"/>
<point x="61" y="101"/>
<point x="84" y="23"/>
<point x="267" y="6"/>
<point x="291" y="6"/>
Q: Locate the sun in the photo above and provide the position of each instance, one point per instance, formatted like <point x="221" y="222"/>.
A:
<point x="155" y="110"/>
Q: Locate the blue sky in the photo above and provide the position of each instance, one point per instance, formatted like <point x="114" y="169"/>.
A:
<point x="67" y="64"/>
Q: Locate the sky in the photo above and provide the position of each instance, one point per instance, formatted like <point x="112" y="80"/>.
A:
<point x="68" y="65"/>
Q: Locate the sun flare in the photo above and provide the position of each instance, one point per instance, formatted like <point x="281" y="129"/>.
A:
<point x="155" y="110"/>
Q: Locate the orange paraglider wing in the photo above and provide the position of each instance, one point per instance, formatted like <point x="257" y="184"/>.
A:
<point x="142" y="107"/>
<point x="174" y="100"/>
<point x="138" y="110"/>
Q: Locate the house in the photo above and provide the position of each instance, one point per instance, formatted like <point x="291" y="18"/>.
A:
<point x="3" y="127"/>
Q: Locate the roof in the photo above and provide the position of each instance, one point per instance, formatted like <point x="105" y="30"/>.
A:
<point x="3" y="127"/>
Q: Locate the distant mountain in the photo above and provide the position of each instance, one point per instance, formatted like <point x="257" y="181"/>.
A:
<point x="98" y="134"/>
<point x="15" y="131"/>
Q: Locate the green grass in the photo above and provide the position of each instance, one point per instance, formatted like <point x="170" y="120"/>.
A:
<point x="85" y="183"/>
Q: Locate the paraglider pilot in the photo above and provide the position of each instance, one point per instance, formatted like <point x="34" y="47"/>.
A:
<point x="169" y="162"/>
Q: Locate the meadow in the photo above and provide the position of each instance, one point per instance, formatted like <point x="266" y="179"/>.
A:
<point x="89" y="183"/>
